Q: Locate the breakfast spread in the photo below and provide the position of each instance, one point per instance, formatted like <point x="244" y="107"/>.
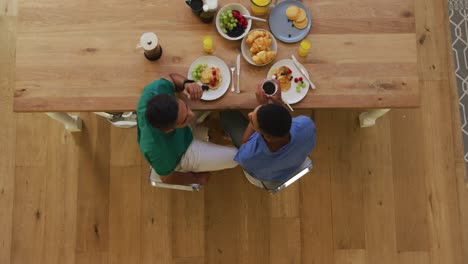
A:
<point x="259" y="43"/>
<point x="298" y="16"/>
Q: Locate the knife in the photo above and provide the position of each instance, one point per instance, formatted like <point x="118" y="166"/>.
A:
<point x="301" y="69"/>
<point x="238" y="73"/>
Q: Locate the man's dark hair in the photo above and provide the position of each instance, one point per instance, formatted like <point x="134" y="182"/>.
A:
<point x="161" y="111"/>
<point x="274" y="120"/>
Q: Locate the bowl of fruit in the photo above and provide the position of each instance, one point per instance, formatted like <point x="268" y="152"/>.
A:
<point x="231" y="23"/>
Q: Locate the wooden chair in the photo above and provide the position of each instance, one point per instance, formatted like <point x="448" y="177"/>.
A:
<point x="155" y="181"/>
<point x="274" y="187"/>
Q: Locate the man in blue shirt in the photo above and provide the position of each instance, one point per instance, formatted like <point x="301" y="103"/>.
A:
<point x="273" y="145"/>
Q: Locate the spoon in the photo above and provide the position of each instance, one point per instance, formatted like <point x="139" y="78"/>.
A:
<point x="255" y="18"/>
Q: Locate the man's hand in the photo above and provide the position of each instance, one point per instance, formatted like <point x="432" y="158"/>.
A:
<point x="193" y="91"/>
<point x="276" y="98"/>
<point x="260" y="94"/>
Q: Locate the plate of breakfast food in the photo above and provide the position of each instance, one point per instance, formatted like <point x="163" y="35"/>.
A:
<point x="212" y="74"/>
<point x="259" y="47"/>
<point x="290" y="21"/>
<point x="293" y="85"/>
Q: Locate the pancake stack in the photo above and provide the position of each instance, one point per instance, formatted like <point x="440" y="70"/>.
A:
<point x="298" y="16"/>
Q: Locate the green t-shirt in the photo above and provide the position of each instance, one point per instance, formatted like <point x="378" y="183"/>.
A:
<point x="162" y="150"/>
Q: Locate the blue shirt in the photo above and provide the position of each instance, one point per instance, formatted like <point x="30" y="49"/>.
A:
<point x="262" y="164"/>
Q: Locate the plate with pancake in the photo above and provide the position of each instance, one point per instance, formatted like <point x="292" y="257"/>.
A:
<point x="212" y="72"/>
<point x="290" y="21"/>
<point x="293" y="86"/>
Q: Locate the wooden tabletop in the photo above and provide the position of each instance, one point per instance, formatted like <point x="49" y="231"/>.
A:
<point x="80" y="55"/>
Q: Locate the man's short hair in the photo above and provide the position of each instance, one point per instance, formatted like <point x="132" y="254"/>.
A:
<point x="274" y="120"/>
<point x="162" y="111"/>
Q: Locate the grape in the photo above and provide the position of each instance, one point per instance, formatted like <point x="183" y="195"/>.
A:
<point x="196" y="72"/>
<point x="228" y="21"/>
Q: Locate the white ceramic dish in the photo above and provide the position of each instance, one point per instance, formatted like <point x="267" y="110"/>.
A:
<point x="242" y="10"/>
<point x="291" y="96"/>
<point x="246" y="52"/>
<point x="225" y="73"/>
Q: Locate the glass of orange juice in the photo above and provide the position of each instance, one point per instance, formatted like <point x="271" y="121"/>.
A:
<point x="304" y="48"/>
<point x="259" y="7"/>
<point x="208" y="44"/>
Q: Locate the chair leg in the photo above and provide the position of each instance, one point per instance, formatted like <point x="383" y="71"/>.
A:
<point x="72" y="123"/>
<point x="368" y="119"/>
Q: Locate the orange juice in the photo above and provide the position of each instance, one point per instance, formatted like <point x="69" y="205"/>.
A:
<point x="304" y="47"/>
<point x="208" y="44"/>
<point x="259" y="7"/>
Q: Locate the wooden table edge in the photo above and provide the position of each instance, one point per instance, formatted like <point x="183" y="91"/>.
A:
<point x="106" y="104"/>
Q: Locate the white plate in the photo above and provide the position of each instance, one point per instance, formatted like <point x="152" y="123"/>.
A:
<point x="291" y="96"/>
<point x="242" y="10"/>
<point x="246" y="51"/>
<point x="225" y="73"/>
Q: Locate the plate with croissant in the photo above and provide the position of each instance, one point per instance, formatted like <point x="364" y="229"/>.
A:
<point x="212" y="74"/>
<point x="259" y="47"/>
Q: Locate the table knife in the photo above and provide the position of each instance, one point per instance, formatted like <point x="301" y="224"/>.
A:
<point x="300" y="67"/>
<point x="238" y="73"/>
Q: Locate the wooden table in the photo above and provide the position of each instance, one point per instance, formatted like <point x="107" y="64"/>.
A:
<point x="80" y="55"/>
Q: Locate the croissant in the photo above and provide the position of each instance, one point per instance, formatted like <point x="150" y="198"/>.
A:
<point x="263" y="57"/>
<point x="260" y="44"/>
<point x="254" y="35"/>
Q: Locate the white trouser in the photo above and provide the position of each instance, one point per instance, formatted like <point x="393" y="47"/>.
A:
<point x="206" y="156"/>
<point x="202" y="155"/>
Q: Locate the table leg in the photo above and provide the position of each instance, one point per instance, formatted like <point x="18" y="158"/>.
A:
<point x="367" y="119"/>
<point x="72" y="123"/>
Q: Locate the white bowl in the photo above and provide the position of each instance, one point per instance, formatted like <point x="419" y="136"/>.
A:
<point x="246" y="51"/>
<point x="242" y="10"/>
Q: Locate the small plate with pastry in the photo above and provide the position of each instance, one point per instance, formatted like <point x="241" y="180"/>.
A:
<point x="293" y="86"/>
<point x="259" y="47"/>
<point x="212" y="74"/>
<point x="290" y="21"/>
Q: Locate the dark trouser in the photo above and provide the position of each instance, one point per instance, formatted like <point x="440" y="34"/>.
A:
<point x="234" y="124"/>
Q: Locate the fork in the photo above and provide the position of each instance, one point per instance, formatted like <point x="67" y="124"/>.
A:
<point x="233" y="68"/>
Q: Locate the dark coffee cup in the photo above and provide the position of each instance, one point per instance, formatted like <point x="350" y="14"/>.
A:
<point x="270" y="87"/>
<point x="196" y="6"/>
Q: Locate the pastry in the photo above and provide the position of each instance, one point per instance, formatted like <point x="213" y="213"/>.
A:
<point x="302" y="24"/>
<point x="283" y="75"/>
<point x="259" y="43"/>
<point x="263" y="57"/>
<point x="292" y="12"/>
<point x="301" y="16"/>
<point x="298" y="16"/>
<point x="254" y="35"/>
<point x="211" y="76"/>
<point x="284" y="83"/>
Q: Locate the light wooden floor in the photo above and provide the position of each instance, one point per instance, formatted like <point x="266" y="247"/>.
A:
<point x="394" y="193"/>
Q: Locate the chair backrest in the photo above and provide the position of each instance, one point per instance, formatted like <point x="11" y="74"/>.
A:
<point x="274" y="187"/>
<point x="155" y="181"/>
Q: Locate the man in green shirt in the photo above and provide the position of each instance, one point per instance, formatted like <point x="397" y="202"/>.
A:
<point x="165" y="138"/>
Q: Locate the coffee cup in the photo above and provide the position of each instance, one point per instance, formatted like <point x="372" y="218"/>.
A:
<point x="270" y="87"/>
